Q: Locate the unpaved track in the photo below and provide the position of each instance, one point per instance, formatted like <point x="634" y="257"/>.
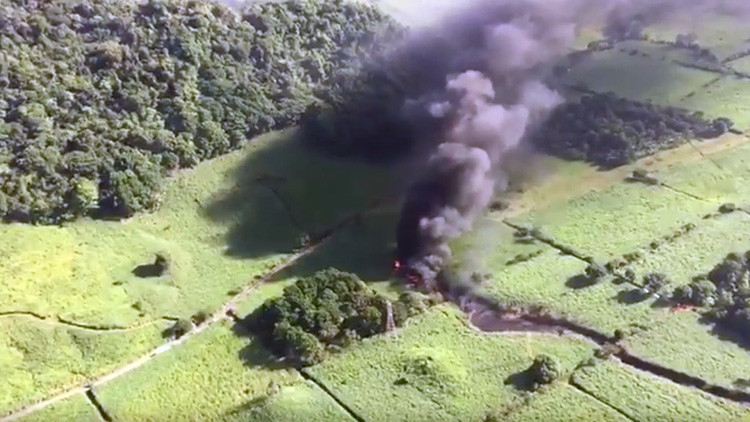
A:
<point x="219" y="315"/>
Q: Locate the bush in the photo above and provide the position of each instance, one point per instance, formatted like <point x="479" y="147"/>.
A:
<point x="178" y="329"/>
<point x="654" y="282"/>
<point x="544" y="370"/>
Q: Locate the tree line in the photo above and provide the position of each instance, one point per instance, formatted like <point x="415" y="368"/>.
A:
<point x="99" y="100"/>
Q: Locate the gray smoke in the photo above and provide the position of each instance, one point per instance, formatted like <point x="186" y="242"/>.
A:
<point x="483" y="70"/>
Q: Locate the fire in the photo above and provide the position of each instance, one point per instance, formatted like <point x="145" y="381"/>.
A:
<point x="396" y="265"/>
<point x="681" y="308"/>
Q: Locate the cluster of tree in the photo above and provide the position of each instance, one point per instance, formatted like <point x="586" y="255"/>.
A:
<point x="611" y="131"/>
<point x="99" y="99"/>
<point x="326" y="310"/>
<point x="724" y="293"/>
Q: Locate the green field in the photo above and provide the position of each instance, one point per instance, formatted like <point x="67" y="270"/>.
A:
<point x="75" y="408"/>
<point x="438" y="368"/>
<point x="72" y="309"/>
<point x="563" y="403"/>
<point x="219" y="231"/>
<point x="215" y="376"/>
<point x="646" y="398"/>
<point x="613" y="71"/>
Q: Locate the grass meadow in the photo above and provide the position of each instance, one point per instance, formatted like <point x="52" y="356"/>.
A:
<point x="75" y="408"/>
<point x="644" y="397"/>
<point x="438" y="368"/>
<point x="216" y="376"/>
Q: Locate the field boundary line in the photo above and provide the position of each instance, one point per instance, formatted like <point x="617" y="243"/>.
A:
<point x="225" y="312"/>
<point x="58" y="320"/>
<point x="573" y="383"/>
<point x="331" y="394"/>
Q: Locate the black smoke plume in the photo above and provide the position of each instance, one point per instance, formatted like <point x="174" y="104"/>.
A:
<point x="481" y="74"/>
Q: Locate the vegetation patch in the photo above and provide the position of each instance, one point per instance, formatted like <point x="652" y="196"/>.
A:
<point x="560" y="403"/>
<point x="329" y="308"/>
<point x="38" y="358"/>
<point x="386" y="377"/>
<point x="75" y="408"/>
<point x="620" y="71"/>
<point x="611" y="131"/>
<point x="682" y="341"/>
<point x="223" y="374"/>
<point x="644" y="397"/>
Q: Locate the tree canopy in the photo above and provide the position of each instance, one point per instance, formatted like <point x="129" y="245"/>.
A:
<point x="327" y="309"/>
<point x="100" y="99"/>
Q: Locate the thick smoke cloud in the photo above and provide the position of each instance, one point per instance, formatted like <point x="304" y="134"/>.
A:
<point x="482" y="72"/>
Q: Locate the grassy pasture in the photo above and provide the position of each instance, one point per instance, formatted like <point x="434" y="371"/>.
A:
<point x="720" y="180"/>
<point x="437" y="368"/>
<point x="725" y="98"/>
<point x="648" y="75"/>
<point x="38" y="358"/>
<point x="548" y="280"/>
<point x="217" y="226"/>
<point x="563" y="403"/>
<point x="216" y="375"/>
<point x="644" y="397"/>
<point x="722" y="34"/>
<point x="637" y="213"/>
<point x="75" y="408"/>
<point x="700" y="250"/>
<point x="680" y="341"/>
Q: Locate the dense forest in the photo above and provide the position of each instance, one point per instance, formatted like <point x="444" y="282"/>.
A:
<point x="610" y="131"/>
<point x="100" y="99"/>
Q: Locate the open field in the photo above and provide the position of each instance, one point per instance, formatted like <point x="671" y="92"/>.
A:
<point x="646" y="398"/>
<point x="563" y="403"/>
<point x="725" y="98"/>
<point x="215" y="224"/>
<point x="722" y="35"/>
<point x="72" y="310"/>
<point x="438" y="368"/>
<point x="76" y="408"/>
<point x="612" y="71"/>
<point x="681" y="341"/>
<point x="38" y="358"/>
<point x="215" y="376"/>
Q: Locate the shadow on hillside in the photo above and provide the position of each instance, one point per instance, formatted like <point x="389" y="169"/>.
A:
<point x="259" y="225"/>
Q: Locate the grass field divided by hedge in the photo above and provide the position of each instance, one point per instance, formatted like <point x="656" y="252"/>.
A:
<point x="636" y="212"/>
<point x="680" y="341"/>
<point x="81" y="271"/>
<point x="38" y="359"/>
<point x="722" y="179"/>
<point x="215" y="376"/>
<point x="563" y="403"/>
<point x="548" y="281"/>
<point x="725" y="98"/>
<point x="75" y="408"/>
<point x="644" y="397"/>
<point x="698" y="251"/>
<point x="619" y="71"/>
<point x="437" y="368"/>
<point x="723" y="35"/>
